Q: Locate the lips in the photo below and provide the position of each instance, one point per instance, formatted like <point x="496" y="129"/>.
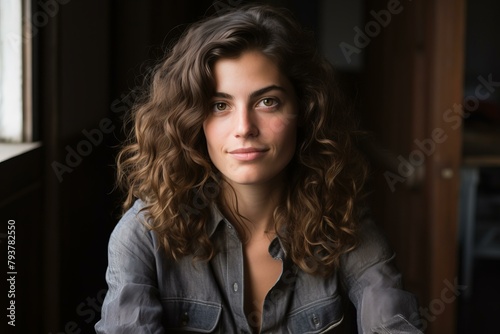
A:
<point x="248" y="153"/>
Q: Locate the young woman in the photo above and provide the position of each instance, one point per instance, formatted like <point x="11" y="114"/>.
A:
<point x="243" y="185"/>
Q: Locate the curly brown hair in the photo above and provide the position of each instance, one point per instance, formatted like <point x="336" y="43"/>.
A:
<point x="165" y="160"/>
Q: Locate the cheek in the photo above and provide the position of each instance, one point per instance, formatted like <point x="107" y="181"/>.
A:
<point x="281" y="123"/>
<point x="213" y="140"/>
<point x="208" y="140"/>
<point x="287" y="137"/>
<point x="208" y="132"/>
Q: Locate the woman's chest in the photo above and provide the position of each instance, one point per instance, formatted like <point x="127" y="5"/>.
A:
<point x="209" y="297"/>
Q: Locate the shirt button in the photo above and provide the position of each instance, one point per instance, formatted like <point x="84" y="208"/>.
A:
<point x="315" y="320"/>
<point x="184" y="319"/>
<point x="235" y="287"/>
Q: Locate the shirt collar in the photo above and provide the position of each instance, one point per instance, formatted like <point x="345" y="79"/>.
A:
<point x="276" y="248"/>
<point x="217" y="218"/>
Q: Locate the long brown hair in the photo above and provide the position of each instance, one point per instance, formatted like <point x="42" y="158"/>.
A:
<point x="165" y="161"/>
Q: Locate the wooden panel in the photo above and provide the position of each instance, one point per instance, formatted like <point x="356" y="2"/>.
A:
<point x="414" y="74"/>
<point x="21" y="204"/>
<point x="446" y="37"/>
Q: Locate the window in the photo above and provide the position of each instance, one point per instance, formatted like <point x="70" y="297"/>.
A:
<point x="15" y="63"/>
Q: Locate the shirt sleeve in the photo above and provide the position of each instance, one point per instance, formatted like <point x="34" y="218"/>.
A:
<point x="374" y="286"/>
<point x="132" y="303"/>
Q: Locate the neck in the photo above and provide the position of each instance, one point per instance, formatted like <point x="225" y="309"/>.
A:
<point x="255" y="203"/>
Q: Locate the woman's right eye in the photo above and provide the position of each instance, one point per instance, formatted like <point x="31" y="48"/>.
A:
<point x="220" y="106"/>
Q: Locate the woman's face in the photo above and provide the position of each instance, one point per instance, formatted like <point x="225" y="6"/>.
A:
<point x="252" y="125"/>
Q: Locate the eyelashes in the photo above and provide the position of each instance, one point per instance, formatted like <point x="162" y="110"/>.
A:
<point x="269" y="103"/>
<point x="219" y="106"/>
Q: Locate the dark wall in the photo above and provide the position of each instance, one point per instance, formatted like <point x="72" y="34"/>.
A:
<point x="21" y="228"/>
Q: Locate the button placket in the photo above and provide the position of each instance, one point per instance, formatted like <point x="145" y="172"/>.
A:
<point x="234" y="276"/>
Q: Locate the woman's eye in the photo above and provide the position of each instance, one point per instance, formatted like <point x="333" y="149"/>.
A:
<point x="269" y="102"/>
<point x="220" y="106"/>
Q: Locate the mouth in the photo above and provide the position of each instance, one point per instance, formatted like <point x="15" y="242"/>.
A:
<point x="248" y="153"/>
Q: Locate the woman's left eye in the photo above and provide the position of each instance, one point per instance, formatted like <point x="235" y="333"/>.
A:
<point x="268" y="102"/>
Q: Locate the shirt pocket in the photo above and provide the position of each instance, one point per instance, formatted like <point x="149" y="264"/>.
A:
<point x="322" y="316"/>
<point x="191" y="316"/>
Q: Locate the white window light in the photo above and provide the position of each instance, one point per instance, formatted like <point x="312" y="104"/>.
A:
<point x="11" y="71"/>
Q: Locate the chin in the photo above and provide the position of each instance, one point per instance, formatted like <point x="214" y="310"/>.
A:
<point x="246" y="181"/>
<point x="251" y="179"/>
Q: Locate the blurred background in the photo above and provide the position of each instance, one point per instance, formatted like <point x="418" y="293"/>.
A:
<point x="424" y="77"/>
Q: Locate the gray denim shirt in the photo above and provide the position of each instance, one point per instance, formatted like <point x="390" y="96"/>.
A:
<point x="150" y="294"/>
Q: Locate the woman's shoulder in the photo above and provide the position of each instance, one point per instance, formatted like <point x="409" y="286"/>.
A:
<point x="133" y="223"/>
<point x="373" y="247"/>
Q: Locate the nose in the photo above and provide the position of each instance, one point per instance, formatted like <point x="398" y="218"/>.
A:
<point x="245" y="123"/>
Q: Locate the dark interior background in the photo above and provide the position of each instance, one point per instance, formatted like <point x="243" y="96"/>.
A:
<point x="89" y="60"/>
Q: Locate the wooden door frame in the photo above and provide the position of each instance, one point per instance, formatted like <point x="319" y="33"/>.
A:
<point x="446" y="57"/>
<point x="414" y="77"/>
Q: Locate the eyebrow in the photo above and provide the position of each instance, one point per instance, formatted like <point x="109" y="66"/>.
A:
<point x="255" y="94"/>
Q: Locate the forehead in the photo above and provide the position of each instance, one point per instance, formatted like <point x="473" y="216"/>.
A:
<point x="250" y="70"/>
